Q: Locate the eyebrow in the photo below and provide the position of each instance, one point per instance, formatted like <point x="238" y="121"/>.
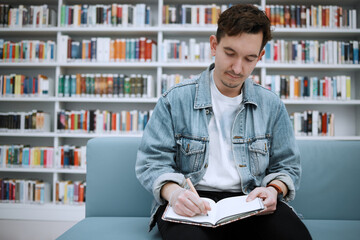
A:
<point x="230" y="49"/>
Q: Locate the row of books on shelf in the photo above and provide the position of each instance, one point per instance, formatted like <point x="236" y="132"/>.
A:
<point x="99" y="121"/>
<point x="27" y="16"/>
<point x="139" y="15"/>
<point x="27" y="51"/>
<point x="312" y="51"/>
<point x="170" y="80"/>
<point x="178" y="50"/>
<point x="106" y="85"/>
<point x="68" y="156"/>
<point x="304" y="87"/>
<point x="70" y="192"/>
<point x="192" y="14"/>
<point x="35" y="120"/>
<point x="24" y="191"/>
<point x="320" y="16"/>
<point x="105" y="49"/>
<point x="25" y="156"/>
<point x="313" y="123"/>
<point x="16" y="85"/>
<point x="124" y="15"/>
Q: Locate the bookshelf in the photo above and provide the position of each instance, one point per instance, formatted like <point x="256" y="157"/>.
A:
<point x="347" y="112"/>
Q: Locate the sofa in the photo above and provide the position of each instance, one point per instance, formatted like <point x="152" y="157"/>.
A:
<point x="118" y="207"/>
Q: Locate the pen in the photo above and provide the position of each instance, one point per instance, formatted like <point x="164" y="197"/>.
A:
<point x="193" y="189"/>
<point x="192" y="186"/>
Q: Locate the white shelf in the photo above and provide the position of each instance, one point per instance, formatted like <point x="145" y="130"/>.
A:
<point x="93" y="135"/>
<point x="27" y="134"/>
<point x="109" y="30"/>
<point x="184" y="65"/>
<point x="29" y="64"/>
<point x="78" y="64"/>
<point x="309" y="66"/>
<point x="42" y="212"/>
<point x="43" y="170"/>
<point x="315" y="32"/>
<point x="22" y="169"/>
<point x="107" y="99"/>
<point x="320" y="102"/>
<point x="27" y="99"/>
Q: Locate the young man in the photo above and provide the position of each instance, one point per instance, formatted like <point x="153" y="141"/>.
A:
<point x="229" y="136"/>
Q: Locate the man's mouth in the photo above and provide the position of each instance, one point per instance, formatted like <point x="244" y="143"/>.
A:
<point x="233" y="75"/>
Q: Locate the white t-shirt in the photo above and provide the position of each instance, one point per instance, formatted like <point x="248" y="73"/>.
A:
<point x="221" y="174"/>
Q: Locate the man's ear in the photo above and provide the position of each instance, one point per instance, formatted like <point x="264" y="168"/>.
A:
<point x="213" y="44"/>
<point x="261" y="54"/>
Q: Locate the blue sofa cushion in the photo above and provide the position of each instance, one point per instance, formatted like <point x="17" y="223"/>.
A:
<point x="329" y="187"/>
<point x="111" y="228"/>
<point x="112" y="187"/>
<point x="334" y="229"/>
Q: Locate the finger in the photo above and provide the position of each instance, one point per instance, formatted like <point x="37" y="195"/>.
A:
<point x="190" y="201"/>
<point x="202" y="204"/>
<point x="253" y="194"/>
<point x="207" y="206"/>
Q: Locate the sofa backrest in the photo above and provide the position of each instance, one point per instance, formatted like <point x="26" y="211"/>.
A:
<point x="112" y="188"/>
<point x="329" y="186"/>
<point x="330" y="183"/>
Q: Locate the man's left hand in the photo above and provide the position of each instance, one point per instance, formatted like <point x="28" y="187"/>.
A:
<point x="269" y="197"/>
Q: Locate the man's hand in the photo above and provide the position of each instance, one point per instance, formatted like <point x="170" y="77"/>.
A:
<point x="184" y="202"/>
<point x="269" y="197"/>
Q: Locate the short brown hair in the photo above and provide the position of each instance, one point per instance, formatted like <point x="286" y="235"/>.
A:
<point x="243" y="18"/>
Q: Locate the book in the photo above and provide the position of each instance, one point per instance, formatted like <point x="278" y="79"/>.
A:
<point x="222" y="212"/>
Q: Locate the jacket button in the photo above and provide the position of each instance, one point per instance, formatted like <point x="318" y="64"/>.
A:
<point x="242" y="165"/>
<point x="207" y="111"/>
<point x="206" y="165"/>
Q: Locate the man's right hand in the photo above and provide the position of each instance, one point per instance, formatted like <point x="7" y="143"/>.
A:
<point x="183" y="201"/>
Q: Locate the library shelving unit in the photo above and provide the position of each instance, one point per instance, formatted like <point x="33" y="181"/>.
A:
<point x="347" y="112"/>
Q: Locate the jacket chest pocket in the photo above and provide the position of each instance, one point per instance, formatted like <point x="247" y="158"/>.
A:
<point x="190" y="154"/>
<point x="259" y="157"/>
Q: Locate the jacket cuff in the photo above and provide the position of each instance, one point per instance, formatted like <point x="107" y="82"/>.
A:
<point x="286" y="179"/>
<point x="162" y="180"/>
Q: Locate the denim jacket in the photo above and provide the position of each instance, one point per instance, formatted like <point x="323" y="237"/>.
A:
<point x="175" y="143"/>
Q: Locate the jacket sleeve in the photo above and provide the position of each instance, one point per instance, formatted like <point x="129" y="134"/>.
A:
<point x="155" y="163"/>
<point x="284" y="162"/>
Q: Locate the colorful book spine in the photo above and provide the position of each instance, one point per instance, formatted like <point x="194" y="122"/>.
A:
<point x="16" y="85"/>
<point x="195" y="15"/>
<point x="71" y="157"/>
<point x="34" y="121"/>
<point x="116" y="15"/>
<point x="321" y="16"/>
<point x="98" y="121"/>
<point x="303" y="87"/>
<point x="70" y="192"/>
<point x="28" y="51"/>
<point x="312" y="52"/>
<point x="313" y="123"/>
<point x="103" y="49"/>
<point x="24" y="191"/>
<point x="174" y="50"/>
<point x="27" y="157"/>
<point x="106" y="85"/>
<point x="23" y="16"/>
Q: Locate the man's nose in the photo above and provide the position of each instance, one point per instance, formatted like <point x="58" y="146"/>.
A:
<point x="237" y="66"/>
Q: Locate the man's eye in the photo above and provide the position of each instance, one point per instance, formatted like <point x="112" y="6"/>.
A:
<point x="229" y="54"/>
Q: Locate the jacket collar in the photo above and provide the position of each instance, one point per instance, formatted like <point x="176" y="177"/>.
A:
<point x="203" y="93"/>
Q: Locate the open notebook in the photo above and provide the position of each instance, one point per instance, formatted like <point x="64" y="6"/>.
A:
<point x="224" y="211"/>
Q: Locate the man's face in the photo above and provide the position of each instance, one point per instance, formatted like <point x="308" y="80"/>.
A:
<point x="235" y="59"/>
